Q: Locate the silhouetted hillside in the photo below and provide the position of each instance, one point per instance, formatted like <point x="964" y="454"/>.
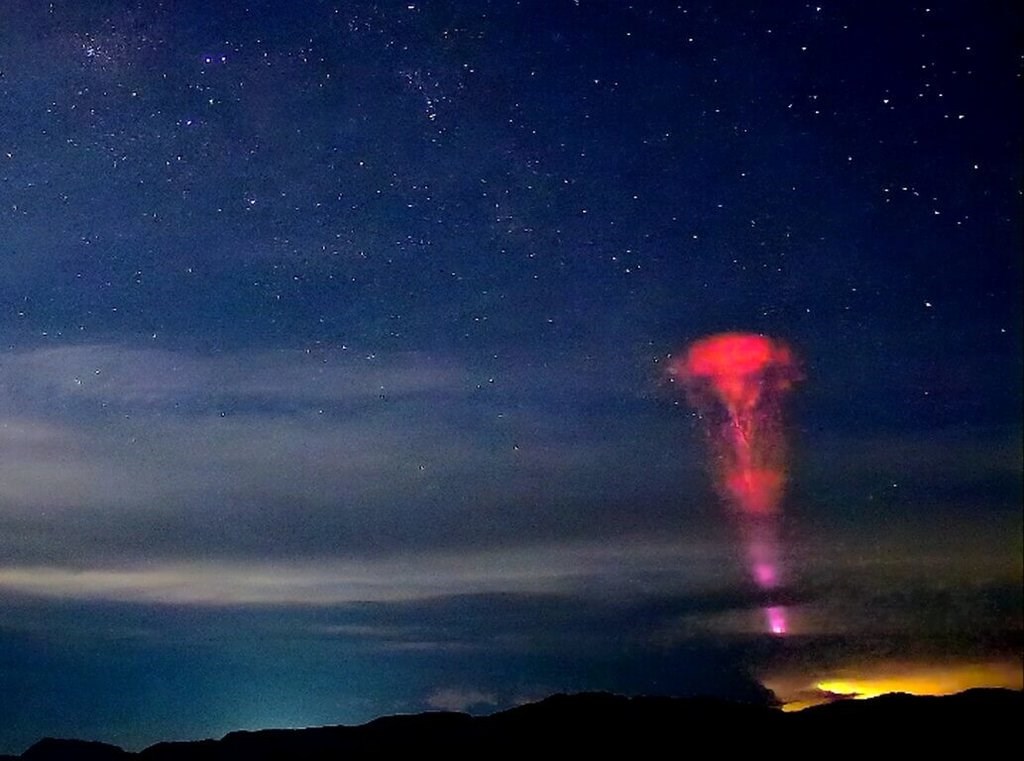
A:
<point x="981" y="721"/>
<point x="74" y="750"/>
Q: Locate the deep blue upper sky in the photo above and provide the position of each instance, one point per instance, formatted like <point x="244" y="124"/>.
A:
<point x="333" y="341"/>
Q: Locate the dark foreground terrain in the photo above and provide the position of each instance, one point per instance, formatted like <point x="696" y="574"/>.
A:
<point x="984" y="723"/>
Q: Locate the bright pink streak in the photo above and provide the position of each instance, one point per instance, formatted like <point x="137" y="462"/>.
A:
<point x="776" y="619"/>
<point x="765" y="575"/>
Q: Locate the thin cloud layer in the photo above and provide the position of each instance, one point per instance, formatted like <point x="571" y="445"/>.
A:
<point x="609" y="570"/>
<point x="113" y="452"/>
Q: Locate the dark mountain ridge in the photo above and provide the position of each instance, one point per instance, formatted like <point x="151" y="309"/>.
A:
<point x="603" y="724"/>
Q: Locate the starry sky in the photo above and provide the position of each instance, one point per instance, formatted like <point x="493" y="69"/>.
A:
<point x="333" y="340"/>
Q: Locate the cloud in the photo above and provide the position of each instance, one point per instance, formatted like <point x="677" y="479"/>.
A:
<point x="114" y="453"/>
<point x="609" y="569"/>
<point x="965" y="465"/>
<point x="125" y="376"/>
<point x="461" y="699"/>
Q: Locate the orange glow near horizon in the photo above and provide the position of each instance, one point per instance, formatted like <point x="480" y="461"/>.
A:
<point x="883" y="679"/>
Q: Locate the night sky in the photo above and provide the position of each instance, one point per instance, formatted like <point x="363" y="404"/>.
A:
<point x="334" y="343"/>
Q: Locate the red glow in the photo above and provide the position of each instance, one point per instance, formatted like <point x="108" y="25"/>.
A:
<point x="736" y="365"/>
<point x="746" y="374"/>
<point x="756" y="491"/>
<point x="736" y="381"/>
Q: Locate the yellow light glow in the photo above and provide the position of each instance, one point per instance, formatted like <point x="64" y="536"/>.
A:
<point x="873" y="680"/>
<point x="937" y="680"/>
